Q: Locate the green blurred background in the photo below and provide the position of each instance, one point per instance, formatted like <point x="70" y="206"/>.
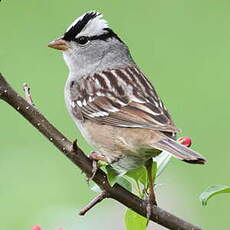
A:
<point x="184" y="46"/>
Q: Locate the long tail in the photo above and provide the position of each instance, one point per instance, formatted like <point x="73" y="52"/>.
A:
<point x="179" y="151"/>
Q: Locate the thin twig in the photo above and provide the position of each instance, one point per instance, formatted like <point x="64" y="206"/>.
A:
<point x="94" y="202"/>
<point x="76" y="155"/>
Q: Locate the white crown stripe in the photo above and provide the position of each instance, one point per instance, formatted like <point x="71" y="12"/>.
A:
<point x="94" y="26"/>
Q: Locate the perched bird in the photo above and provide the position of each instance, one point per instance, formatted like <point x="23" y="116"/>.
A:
<point x="114" y="105"/>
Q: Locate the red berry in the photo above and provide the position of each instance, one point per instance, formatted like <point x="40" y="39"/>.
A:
<point x="185" y="141"/>
<point x="36" y="227"/>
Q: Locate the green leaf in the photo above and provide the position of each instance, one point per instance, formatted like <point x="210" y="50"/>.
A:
<point x="162" y="161"/>
<point x="134" y="221"/>
<point x="212" y="191"/>
<point x="124" y="183"/>
<point x="139" y="174"/>
<point x="114" y="177"/>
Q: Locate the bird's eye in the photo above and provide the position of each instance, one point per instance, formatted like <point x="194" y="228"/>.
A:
<point x="82" y="40"/>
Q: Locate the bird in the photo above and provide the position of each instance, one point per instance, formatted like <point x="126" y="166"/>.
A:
<point x="112" y="102"/>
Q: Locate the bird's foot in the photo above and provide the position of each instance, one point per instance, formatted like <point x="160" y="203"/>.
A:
<point x="95" y="157"/>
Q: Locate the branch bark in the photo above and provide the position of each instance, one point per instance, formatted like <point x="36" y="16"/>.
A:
<point x="76" y="155"/>
<point x="94" y="202"/>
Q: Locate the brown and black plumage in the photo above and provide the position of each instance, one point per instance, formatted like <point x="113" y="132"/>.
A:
<point x="113" y="104"/>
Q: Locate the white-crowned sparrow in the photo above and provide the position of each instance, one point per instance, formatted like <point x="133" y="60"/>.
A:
<point x="112" y="102"/>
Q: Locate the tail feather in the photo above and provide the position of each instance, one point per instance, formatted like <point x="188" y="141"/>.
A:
<point x="179" y="151"/>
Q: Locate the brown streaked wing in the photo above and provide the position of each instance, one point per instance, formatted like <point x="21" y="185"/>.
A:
<point x="123" y="98"/>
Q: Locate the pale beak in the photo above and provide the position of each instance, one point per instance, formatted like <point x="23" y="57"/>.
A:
<point x="59" y="44"/>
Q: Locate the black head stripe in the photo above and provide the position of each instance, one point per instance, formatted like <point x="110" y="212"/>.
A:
<point x="108" y="34"/>
<point x="77" y="28"/>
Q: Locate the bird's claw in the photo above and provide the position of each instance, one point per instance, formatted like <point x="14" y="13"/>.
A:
<point x="95" y="157"/>
<point x="94" y="170"/>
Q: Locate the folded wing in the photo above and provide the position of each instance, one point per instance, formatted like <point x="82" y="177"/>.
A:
<point x="123" y="98"/>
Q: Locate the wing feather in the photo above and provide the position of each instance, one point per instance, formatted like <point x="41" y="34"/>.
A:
<point x="123" y="98"/>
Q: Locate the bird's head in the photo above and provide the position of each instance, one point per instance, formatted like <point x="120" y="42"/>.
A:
<point x="89" y="45"/>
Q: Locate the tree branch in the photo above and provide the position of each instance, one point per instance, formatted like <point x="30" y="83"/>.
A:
<point x="94" y="202"/>
<point x="76" y="155"/>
